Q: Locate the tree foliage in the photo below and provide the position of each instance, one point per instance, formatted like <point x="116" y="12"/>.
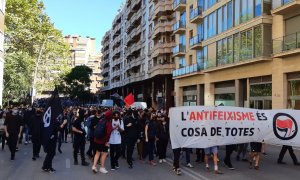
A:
<point x="27" y="27"/>
<point x="76" y="83"/>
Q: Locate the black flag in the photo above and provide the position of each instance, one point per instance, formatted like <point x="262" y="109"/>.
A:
<point x="52" y="111"/>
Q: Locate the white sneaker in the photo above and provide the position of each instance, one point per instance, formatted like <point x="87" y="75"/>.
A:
<point x="103" y="170"/>
<point x="160" y="161"/>
<point x="189" y="165"/>
<point x="164" y="160"/>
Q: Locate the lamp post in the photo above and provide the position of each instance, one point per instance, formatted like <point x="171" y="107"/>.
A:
<point x="33" y="91"/>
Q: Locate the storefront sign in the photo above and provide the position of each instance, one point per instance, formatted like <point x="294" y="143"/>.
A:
<point x="201" y="127"/>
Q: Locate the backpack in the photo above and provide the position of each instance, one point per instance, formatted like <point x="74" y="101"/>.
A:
<point x="100" y="129"/>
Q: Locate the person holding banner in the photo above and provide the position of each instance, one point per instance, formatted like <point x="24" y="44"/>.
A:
<point x="212" y="150"/>
<point x="292" y="154"/>
<point x="255" y="154"/>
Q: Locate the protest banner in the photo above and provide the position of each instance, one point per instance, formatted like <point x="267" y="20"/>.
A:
<point x="201" y="127"/>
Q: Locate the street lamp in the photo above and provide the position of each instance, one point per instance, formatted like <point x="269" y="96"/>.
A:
<point x="33" y="92"/>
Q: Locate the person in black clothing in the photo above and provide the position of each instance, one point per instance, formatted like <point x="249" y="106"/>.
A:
<point x="292" y="154"/>
<point x="91" y="124"/>
<point x="28" y="113"/>
<point x="150" y="137"/>
<point x="13" y="128"/>
<point x="229" y="151"/>
<point x="62" y="119"/>
<point x="163" y="139"/>
<point x="35" y="124"/>
<point x="79" y="138"/>
<point x="50" y="147"/>
<point x="131" y="123"/>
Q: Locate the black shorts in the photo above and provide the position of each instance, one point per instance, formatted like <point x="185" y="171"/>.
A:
<point x="256" y="146"/>
<point x="101" y="148"/>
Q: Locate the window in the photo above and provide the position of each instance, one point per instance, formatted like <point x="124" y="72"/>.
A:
<point x="182" y="18"/>
<point x="224" y="18"/>
<point x="229" y="14"/>
<point x="220" y="19"/>
<point x="258" y="41"/>
<point x="212" y="29"/>
<point x="246" y="45"/>
<point x="257" y="8"/>
<point x="236" y="12"/>
<point x="205" y="28"/>
<point x="236" y="47"/>
<point x="230" y="50"/>
<point x="200" y="31"/>
<point x="181" y="62"/>
<point x="182" y="39"/>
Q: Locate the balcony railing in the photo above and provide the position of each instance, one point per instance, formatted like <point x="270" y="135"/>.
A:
<point x="179" y="24"/>
<point x="179" y="49"/>
<point x="187" y="70"/>
<point x="178" y="2"/>
<point x="196" y="40"/>
<point x="196" y="12"/>
<point x="286" y="43"/>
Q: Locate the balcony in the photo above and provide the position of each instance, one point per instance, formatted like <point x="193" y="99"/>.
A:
<point x="179" y="27"/>
<point x="285" y="7"/>
<point x="179" y="50"/>
<point x="162" y="8"/>
<point x="163" y="27"/>
<point x="187" y="70"/>
<point x="286" y="46"/>
<point x="162" y="48"/>
<point x="179" y="5"/>
<point x="135" y="77"/>
<point x="196" y="42"/>
<point x="161" y="69"/>
<point x="196" y="15"/>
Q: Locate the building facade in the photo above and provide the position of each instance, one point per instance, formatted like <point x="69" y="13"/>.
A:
<point x="238" y="53"/>
<point x="96" y="78"/>
<point x="83" y="52"/>
<point x="137" y="53"/>
<point x="2" y="14"/>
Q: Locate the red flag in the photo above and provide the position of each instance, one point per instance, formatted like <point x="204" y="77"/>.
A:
<point x="129" y="100"/>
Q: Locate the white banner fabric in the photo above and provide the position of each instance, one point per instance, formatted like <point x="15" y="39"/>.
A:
<point x="202" y="127"/>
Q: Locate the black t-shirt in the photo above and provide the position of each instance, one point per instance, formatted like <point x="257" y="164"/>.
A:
<point x="79" y="125"/>
<point x="13" y="123"/>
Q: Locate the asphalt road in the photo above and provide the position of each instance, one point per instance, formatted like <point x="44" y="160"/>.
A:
<point x="23" y="168"/>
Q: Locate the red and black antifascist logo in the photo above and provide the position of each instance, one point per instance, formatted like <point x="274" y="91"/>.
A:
<point x="284" y="126"/>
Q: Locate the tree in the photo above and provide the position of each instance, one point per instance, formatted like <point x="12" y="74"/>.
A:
<point x="27" y="27"/>
<point x="76" y="83"/>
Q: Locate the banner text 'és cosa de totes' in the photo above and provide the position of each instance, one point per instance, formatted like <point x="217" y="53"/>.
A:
<point x="200" y="127"/>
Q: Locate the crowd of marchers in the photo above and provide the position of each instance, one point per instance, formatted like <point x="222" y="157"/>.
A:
<point x="113" y="132"/>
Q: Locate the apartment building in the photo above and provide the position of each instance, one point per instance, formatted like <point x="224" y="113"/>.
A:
<point x="2" y="14"/>
<point x="237" y="52"/>
<point x="83" y="52"/>
<point x="96" y="78"/>
<point x="81" y="49"/>
<point x="137" y="53"/>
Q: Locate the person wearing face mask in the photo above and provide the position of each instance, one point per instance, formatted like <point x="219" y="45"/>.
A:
<point x="35" y="124"/>
<point x="13" y="126"/>
<point x="115" y="140"/>
<point x="162" y="139"/>
<point x="79" y="138"/>
<point x="132" y="133"/>
<point x="150" y="137"/>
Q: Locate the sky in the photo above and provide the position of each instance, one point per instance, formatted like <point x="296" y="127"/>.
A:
<point x="83" y="17"/>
